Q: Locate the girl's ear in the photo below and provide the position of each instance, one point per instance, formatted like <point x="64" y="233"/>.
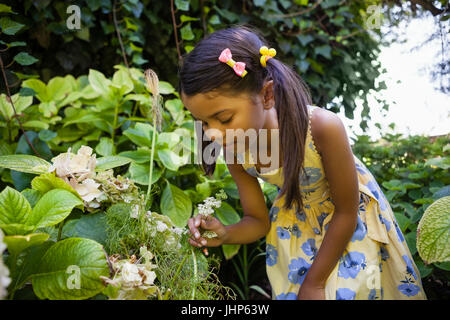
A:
<point x="267" y="94"/>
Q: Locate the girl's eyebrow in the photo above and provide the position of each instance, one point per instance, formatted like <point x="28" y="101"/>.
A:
<point x="213" y="115"/>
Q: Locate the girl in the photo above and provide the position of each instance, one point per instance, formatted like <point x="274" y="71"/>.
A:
<point x="331" y="233"/>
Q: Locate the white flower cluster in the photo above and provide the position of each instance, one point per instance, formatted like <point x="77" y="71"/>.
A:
<point x="78" y="170"/>
<point x="161" y="225"/>
<point x="4" y="272"/>
<point x="206" y="209"/>
<point x="133" y="279"/>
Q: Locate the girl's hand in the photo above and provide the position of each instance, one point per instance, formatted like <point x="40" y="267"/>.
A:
<point x="200" y="223"/>
<point x="311" y="292"/>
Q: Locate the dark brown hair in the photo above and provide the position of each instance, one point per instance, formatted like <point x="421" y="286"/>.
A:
<point x="200" y="72"/>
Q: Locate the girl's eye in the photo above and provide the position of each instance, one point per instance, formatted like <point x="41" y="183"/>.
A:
<point x="226" y="121"/>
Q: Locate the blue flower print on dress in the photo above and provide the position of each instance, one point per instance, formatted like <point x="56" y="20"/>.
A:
<point x="273" y="213"/>
<point x="301" y="215"/>
<point x="409" y="266"/>
<point x="384" y="253"/>
<point x="376" y="191"/>
<point x="283" y="233"/>
<point x="361" y="168"/>
<point x="271" y="255"/>
<point x="360" y="232"/>
<point x="286" y="296"/>
<point x="322" y="218"/>
<point x="385" y="222"/>
<point x="312" y="176"/>
<point x="309" y="248"/>
<point x="295" y="230"/>
<point x="345" y="294"/>
<point x="351" y="264"/>
<point x="316" y="231"/>
<point x="399" y="232"/>
<point x="408" y="289"/>
<point x="298" y="269"/>
<point x="372" y="295"/>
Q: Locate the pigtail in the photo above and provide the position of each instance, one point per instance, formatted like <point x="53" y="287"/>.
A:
<point x="291" y="97"/>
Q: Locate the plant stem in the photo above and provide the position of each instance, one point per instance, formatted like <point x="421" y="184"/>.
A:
<point x="14" y="109"/>
<point x="195" y="274"/>
<point x="178" y="270"/>
<point x="152" y="153"/>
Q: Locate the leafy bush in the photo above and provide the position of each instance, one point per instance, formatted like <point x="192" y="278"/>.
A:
<point x="413" y="173"/>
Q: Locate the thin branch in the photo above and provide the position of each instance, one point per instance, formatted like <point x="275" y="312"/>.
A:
<point x="299" y="13"/>
<point x="14" y="108"/>
<point x="426" y="5"/>
<point x="175" y="29"/>
<point x="118" y="35"/>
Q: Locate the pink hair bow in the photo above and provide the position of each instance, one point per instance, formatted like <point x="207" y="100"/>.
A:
<point x="238" y="67"/>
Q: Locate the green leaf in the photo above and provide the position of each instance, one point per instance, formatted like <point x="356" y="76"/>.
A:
<point x="139" y="173"/>
<point x="21" y="103"/>
<point x="59" y="88"/>
<point x="47" y="182"/>
<point x="31" y="257"/>
<point x="230" y="250"/>
<point x="32" y="196"/>
<point x="14" y="207"/>
<point x="53" y="207"/>
<point x="182" y="5"/>
<point x="122" y="81"/>
<point x="176" y="205"/>
<point x="39" y="87"/>
<point x="10" y="27"/>
<point x="24" y="163"/>
<point x="92" y="226"/>
<point x="5" y="9"/>
<point x="443" y="163"/>
<point x="185" y="18"/>
<point x="403" y="222"/>
<point x="186" y="32"/>
<point x="324" y="51"/>
<point x="165" y="87"/>
<point x="17" y="243"/>
<point x="171" y="160"/>
<point x="434" y="231"/>
<point x="141" y="155"/>
<point x="71" y="270"/>
<point x="105" y="147"/>
<point x="25" y="59"/>
<point x="176" y="110"/>
<point x="141" y="134"/>
<point x="226" y="214"/>
<point x="109" y="162"/>
<point x="99" y="82"/>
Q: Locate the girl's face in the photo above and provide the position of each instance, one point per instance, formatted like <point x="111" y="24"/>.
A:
<point x="220" y="112"/>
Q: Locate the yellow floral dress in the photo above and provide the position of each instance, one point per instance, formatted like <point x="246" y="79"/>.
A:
<point x="376" y="263"/>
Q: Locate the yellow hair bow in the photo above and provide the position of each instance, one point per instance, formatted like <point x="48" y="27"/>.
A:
<point x="266" y="54"/>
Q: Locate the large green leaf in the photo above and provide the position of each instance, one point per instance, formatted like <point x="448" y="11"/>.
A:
<point x="109" y="162"/>
<point x="139" y="173"/>
<point x="226" y="214"/>
<point x="99" y="82"/>
<point x="17" y="243"/>
<point x="30" y="258"/>
<point x="53" y="207"/>
<point x="141" y="155"/>
<point x="71" y="270"/>
<point x="141" y="134"/>
<point x="46" y="182"/>
<point x="433" y="232"/>
<point x="14" y="207"/>
<point x="24" y="163"/>
<point x="171" y="160"/>
<point x="92" y="226"/>
<point x="230" y="250"/>
<point x="122" y="81"/>
<point x="176" y="205"/>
